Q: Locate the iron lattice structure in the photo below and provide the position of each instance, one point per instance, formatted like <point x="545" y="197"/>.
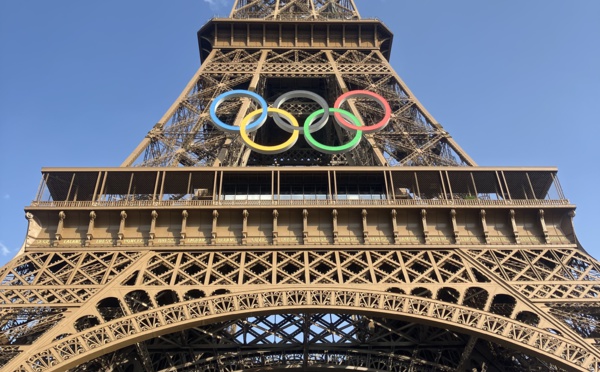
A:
<point x="199" y="254"/>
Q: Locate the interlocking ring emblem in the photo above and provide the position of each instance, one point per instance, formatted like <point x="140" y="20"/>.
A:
<point x="314" y="122"/>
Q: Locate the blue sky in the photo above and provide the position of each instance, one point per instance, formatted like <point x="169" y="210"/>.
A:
<point x="515" y="82"/>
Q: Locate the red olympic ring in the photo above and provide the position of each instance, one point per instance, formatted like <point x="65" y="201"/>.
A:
<point x="363" y="94"/>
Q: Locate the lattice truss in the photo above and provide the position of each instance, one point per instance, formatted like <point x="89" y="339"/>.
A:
<point x="413" y="137"/>
<point x="295" y="9"/>
<point x="188" y="138"/>
<point x="315" y="340"/>
<point x="71" y="303"/>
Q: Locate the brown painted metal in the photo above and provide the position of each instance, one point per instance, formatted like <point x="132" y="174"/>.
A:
<point x="401" y="255"/>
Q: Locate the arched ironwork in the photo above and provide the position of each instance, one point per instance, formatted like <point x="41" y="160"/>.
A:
<point x="109" y="336"/>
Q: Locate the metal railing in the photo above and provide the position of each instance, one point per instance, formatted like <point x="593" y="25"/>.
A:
<point x="305" y="202"/>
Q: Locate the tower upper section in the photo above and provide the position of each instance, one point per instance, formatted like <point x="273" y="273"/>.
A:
<point x="318" y="51"/>
<point x="300" y="24"/>
<point x="295" y="9"/>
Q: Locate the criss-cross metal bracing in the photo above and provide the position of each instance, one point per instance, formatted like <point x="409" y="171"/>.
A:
<point x="199" y="254"/>
<point x="295" y="9"/>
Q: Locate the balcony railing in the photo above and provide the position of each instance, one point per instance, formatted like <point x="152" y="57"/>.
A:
<point x="308" y="202"/>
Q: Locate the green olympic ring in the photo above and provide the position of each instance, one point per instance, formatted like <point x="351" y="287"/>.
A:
<point x="312" y="142"/>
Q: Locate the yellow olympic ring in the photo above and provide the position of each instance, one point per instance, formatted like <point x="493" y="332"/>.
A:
<point x="270" y="149"/>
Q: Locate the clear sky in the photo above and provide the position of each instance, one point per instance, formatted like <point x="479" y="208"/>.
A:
<point x="515" y="83"/>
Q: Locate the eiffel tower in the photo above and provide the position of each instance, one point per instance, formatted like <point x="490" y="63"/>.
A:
<point x="235" y="236"/>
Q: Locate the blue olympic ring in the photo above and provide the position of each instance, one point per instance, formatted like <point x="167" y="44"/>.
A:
<point x="233" y="94"/>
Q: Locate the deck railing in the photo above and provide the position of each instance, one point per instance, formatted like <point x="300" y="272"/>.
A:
<point x="306" y="202"/>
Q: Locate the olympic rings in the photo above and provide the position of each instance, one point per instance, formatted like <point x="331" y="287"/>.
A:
<point x="269" y="149"/>
<point x="363" y="94"/>
<point x="315" y="121"/>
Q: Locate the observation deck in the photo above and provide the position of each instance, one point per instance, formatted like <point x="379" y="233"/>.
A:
<point x="273" y="206"/>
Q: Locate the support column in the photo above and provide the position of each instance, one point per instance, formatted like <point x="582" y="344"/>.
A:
<point x="466" y="354"/>
<point x="544" y="227"/>
<point x="275" y="230"/>
<point x="243" y="160"/>
<point x="154" y="216"/>
<point x="365" y="225"/>
<point x="455" y="226"/>
<point x="213" y="234"/>
<point x="394" y="214"/>
<point x="484" y="227"/>
<point x="334" y="216"/>
<point x="59" y="228"/>
<point x="245" y="215"/>
<point x="304" y="226"/>
<point x="90" y="232"/>
<point x="513" y="222"/>
<point x="121" y="233"/>
<point x="184" y="217"/>
<point x="424" y="223"/>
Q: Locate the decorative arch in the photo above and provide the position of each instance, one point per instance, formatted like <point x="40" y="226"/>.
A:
<point x="447" y="294"/>
<point x="194" y="294"/>
<point x="395" y="290"/>
<point x="86" y="322"/>
<point x="110" y="308"/>
<point x="138" y="301"/>
<point x="476" y="298"/>
<point x="421" y="292"/>
<point x="91" y="343"/>
<point x="220" y="291"/>
<point x="528" y="317"/>
<point x="166" y="298"/>
<point x="503" y="305"/>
